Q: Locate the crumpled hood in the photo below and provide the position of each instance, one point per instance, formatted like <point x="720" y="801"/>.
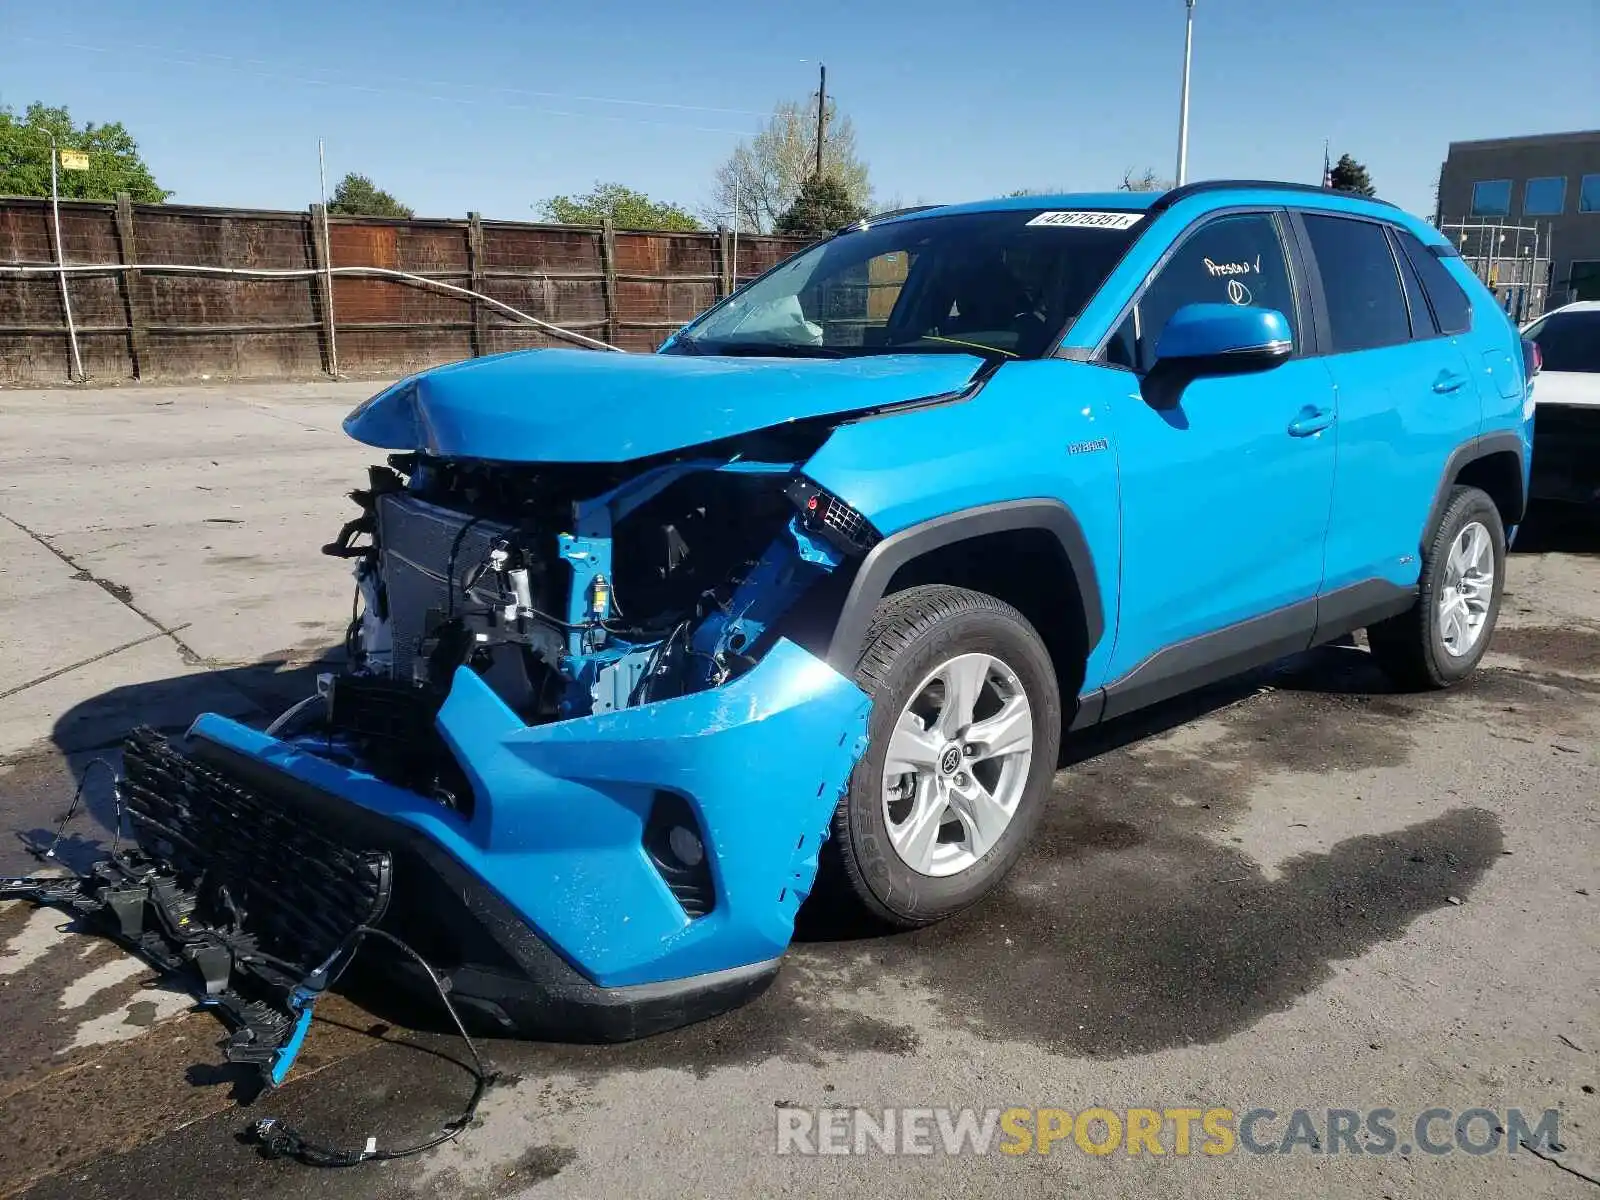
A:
<point x="588" y="406"/>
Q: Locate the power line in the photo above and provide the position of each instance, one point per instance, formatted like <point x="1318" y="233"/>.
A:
<point x="348" y="85"/>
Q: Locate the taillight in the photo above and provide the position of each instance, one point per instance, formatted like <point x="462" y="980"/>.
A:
<point x="1532" y="358"/>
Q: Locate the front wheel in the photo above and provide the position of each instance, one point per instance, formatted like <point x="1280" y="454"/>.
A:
<point x="1440" y="640"/>
<point x="964" y="732"/>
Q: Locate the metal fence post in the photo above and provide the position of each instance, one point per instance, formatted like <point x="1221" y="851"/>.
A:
<point x="321" y="259"/>
<point x="608" y="265"/>
<point x="75" y="371"/>
<point x="725" y="265"/>
<point x="133" y="288"/>
<point x="475" y="268"/>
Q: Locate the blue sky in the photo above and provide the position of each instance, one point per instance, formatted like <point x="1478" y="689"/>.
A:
<point x="441" y="102"/>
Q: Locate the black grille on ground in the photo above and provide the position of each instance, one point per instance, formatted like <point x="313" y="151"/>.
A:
<point x="249" y="862"/>
<point x="675" y="844"/>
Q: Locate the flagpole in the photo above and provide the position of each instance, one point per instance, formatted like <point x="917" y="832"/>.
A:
<point x="1183" y="111"/>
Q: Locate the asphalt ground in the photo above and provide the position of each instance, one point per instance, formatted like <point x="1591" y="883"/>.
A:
<point x="1296" y="891"/>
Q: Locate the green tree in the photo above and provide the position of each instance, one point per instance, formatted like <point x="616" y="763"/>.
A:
<point x="622" y="206"/>
<point x="114" y="162"/>
<point x="1350" y="176"/>
<point x="823" y="205"/>
<point x="358" y="196"/>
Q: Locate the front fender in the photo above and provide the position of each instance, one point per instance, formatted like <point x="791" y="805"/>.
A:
<point x="1034" y="446"/>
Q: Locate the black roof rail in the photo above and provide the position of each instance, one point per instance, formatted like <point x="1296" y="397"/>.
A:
<point x="903" y="212"/>
<point x="872" y="218"/>
<point x="1168" y="199"/>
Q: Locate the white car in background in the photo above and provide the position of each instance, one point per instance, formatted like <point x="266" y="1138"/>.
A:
<point x="1566" y="394"/>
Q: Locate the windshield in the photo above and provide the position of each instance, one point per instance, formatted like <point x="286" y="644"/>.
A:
<point x="1001" y="284"/>
<point x="1569" y="341"/>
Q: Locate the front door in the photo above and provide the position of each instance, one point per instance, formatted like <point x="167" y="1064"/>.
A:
<point x="1225" y="497"/>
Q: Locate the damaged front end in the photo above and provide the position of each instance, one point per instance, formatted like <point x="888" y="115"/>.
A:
<point x="581" y="758"/>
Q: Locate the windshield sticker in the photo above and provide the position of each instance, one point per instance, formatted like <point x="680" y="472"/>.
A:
<point x="1088" y="220"/>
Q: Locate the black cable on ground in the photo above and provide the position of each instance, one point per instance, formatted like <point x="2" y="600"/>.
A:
<point x="279" y="1139"/>
<point x="37" y="886"/>
<point x="77" y="798"/>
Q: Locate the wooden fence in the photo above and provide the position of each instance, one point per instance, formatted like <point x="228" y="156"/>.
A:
<point x="160" y="321"/>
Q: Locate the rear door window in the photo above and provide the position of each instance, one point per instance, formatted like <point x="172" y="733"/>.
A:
<point x="1422" y="324"/>
<point x="1451" y="308"/>
<point x="1236" y="259"/>
<point x="1366" y="303"/>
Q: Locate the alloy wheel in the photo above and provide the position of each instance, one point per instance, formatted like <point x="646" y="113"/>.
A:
<point x="957" y="764"/>
<point x="1468" y="590"/>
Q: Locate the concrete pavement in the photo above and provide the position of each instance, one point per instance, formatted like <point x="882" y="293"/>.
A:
<point x="1299" y="890"/>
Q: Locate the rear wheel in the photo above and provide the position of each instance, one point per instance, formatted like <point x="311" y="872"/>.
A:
<point x="1440" y="640"/>
<point x="965" y="728"/>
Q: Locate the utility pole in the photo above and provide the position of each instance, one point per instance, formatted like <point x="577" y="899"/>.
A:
<point x="822" y="112"/>
<point x="1183" y="112"/>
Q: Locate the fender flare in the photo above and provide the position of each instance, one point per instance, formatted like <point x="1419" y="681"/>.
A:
<point x="1497" y="441"/>
<point x="872" y="578"/>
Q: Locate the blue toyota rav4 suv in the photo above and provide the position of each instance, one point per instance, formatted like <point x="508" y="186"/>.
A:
<point x="641" y="639"/>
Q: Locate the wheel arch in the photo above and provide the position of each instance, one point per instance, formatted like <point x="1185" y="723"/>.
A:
<point x="1492" y="462"/>
<point x="1030" y="553"/>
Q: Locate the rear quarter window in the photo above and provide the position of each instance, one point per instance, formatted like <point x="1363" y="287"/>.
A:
<point x="1451" y="308"/>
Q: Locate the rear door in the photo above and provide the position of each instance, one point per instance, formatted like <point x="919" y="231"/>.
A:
<point x="1407" y="397"/>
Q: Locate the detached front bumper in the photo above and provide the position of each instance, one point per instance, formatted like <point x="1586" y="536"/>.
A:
<point x="617" y="874"/>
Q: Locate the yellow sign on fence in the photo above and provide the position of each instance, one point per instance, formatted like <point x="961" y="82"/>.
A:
<point x="74" y="160"/>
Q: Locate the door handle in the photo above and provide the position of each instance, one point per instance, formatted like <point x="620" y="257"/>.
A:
<point x="1312" y="419"/>
<point x="1449" y="381"/>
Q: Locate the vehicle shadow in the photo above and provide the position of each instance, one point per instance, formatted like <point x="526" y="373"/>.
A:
<point x="1339" y="669"/>
<point x="39" y="788"/>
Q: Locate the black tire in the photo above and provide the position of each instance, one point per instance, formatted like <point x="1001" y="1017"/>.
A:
<point x="910" y="635"/>
<point x="1409" y="647"/>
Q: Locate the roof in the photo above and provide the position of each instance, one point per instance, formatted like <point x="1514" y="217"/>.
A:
<point x="1151" y="202"/>
<point x="1533" y="139"/>
<point x="1578" y="306"/>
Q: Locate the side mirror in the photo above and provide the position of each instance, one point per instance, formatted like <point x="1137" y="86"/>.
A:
<point x="1224" y="339"/>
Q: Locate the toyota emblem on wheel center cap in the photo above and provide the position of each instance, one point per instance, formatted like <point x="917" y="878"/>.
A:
<point x="950" y="760"/>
